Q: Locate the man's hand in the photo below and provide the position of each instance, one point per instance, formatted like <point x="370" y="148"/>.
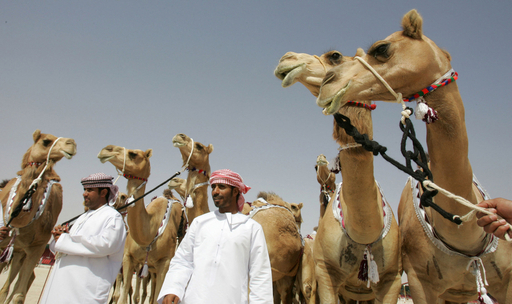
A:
<point x="490" y="223"/>
<point x="4" y="233"/>
<point x="58" y="230"/>
<point x="171" y="299"/>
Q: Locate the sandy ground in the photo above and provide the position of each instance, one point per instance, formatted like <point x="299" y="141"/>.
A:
<point x="42" y="272"/>
<point x="37" y="286"/>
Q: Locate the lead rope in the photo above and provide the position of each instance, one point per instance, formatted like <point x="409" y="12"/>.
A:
<point x="429" y="184"/>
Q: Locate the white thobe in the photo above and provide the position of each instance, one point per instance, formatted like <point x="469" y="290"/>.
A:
<point x="92" y="254"/>
<point x="221" y="257"/>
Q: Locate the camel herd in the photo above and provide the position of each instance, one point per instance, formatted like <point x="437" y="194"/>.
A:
<point x="359" y="250"/>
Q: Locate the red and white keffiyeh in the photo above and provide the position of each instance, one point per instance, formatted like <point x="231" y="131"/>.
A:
<point x="228" y="177"/>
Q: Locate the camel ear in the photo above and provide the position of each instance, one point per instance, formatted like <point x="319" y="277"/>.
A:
<point x="149" y="153"/>
<point x="36" y="135"/>
<point x="209" y="149"/>
<point x="300" y="205"/>
<point x="412" y="24"/>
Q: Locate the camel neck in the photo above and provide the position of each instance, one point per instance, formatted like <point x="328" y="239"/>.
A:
<point x="447" y="143"/>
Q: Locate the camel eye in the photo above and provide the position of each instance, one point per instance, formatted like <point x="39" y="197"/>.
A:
<point x="380" y="51"/>
<point x="335" y="58"/>
<point x="199" y="147"/>
<point x="46" y="142"/>
<point x="132" y="155"/>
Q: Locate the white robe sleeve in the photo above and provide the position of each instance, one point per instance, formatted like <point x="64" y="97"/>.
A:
<point x="181" y="267"/>
<point x="106" y="243"/>
<point x="260" y="271"/>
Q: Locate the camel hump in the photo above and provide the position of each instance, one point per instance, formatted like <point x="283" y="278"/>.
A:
<point x="412" y="25"/>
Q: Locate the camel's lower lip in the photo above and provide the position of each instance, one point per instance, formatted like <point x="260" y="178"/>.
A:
<point x="332" y="104"/>
<point x="178" y="144"/>
<point x="289" y="74"/>
<point x="66" y="154"/>
<point x="322" y="163"/>
<point x="105" y="159"/>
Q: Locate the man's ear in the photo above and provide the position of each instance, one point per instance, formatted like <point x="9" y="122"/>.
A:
<point x="237" y="190"/>
<point x="104" y="193"/>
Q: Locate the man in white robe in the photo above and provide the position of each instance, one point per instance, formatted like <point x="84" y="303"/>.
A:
<point x="223" y="257"/>
<point x="89" y="255"/>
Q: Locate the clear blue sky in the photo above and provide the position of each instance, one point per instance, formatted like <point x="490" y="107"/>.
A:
<point x="135" y="73"/>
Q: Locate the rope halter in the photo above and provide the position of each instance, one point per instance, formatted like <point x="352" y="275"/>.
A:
<point x="119" y="173"/>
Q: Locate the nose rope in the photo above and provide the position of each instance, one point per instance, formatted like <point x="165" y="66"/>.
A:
<point x="185" y="166"/>
<point x="124" y="166"/>
<point x="321" y="62"/>
<point x="406" y="113"/>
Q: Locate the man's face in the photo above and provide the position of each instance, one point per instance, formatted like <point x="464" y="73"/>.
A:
<point x="224" y="197"/>
<point x="93" y="199"/>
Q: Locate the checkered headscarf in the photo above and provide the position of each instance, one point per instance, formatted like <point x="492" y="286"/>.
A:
<point x="101" y="180"/>
<point x="228" y="177"/>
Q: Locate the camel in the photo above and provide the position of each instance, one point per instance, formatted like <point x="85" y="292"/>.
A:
<point x="306" y="275"/>
<point x="283" y="241"/>
<point x="32" y="227"/>
<point x="338" y="251"/>
<point x="196" y="160"/>
<point x="327" y="180"/>
<point x="441" y="265"/>
<point x="153" y="230"/>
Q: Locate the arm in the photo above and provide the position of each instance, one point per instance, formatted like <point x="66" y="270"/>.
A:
<point x="180" y="269"/>
<point x="491" y="223"/>
<point x="260" y="272"/>
<point x="107" y="242"/>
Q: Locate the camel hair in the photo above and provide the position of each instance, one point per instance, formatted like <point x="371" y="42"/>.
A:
<point x="196" y="159"/>
<point x="339" y="251"/>
<point x="146" y="241"/>
<point x="447" y="265"/>
<point x="282" y="235"/>
<point x="34" y="224"/>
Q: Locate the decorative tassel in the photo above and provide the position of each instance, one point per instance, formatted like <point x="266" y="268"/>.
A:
<point x="129" y="201"/>
<point x="363" y="270"/>
<point x="421" y="110"/>
<point x="484" y="298"/>
<point x="144" y="271"/>
<point x="189" y="203"/>
<point x="373" y="271"/>
<point x="28" y="205"/>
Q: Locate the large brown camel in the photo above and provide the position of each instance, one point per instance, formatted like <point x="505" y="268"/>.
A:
<point x="442" y="265"/>
<point x="196" y="159"/>
<point x="327" y="180"/>
<point x="33" y="226"/>
<point x="283" y="242"/>
<point x="153" y="230"/>
<point x="339" y="251"/>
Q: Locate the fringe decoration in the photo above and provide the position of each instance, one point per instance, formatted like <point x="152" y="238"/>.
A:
<point x="478" y="270"/>
<point x="7" y="253"/>
<point x="189" y="203"/>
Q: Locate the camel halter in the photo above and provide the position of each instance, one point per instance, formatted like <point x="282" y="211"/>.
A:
<point x="427" y="183"/>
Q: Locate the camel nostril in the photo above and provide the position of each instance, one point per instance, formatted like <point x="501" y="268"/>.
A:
<point x="329" y="77"/>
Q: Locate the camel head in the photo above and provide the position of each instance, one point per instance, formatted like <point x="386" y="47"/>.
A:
<point x="46" y="143"/>
<point x="179" y="185"/>
<point x="323" y="172"/>
<point x="200" y="155"/>
<point x="407" y="60"/>
<point x="134" y="162"/>
<point x="296" y="210"/>
<point x="307" y="69"/>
